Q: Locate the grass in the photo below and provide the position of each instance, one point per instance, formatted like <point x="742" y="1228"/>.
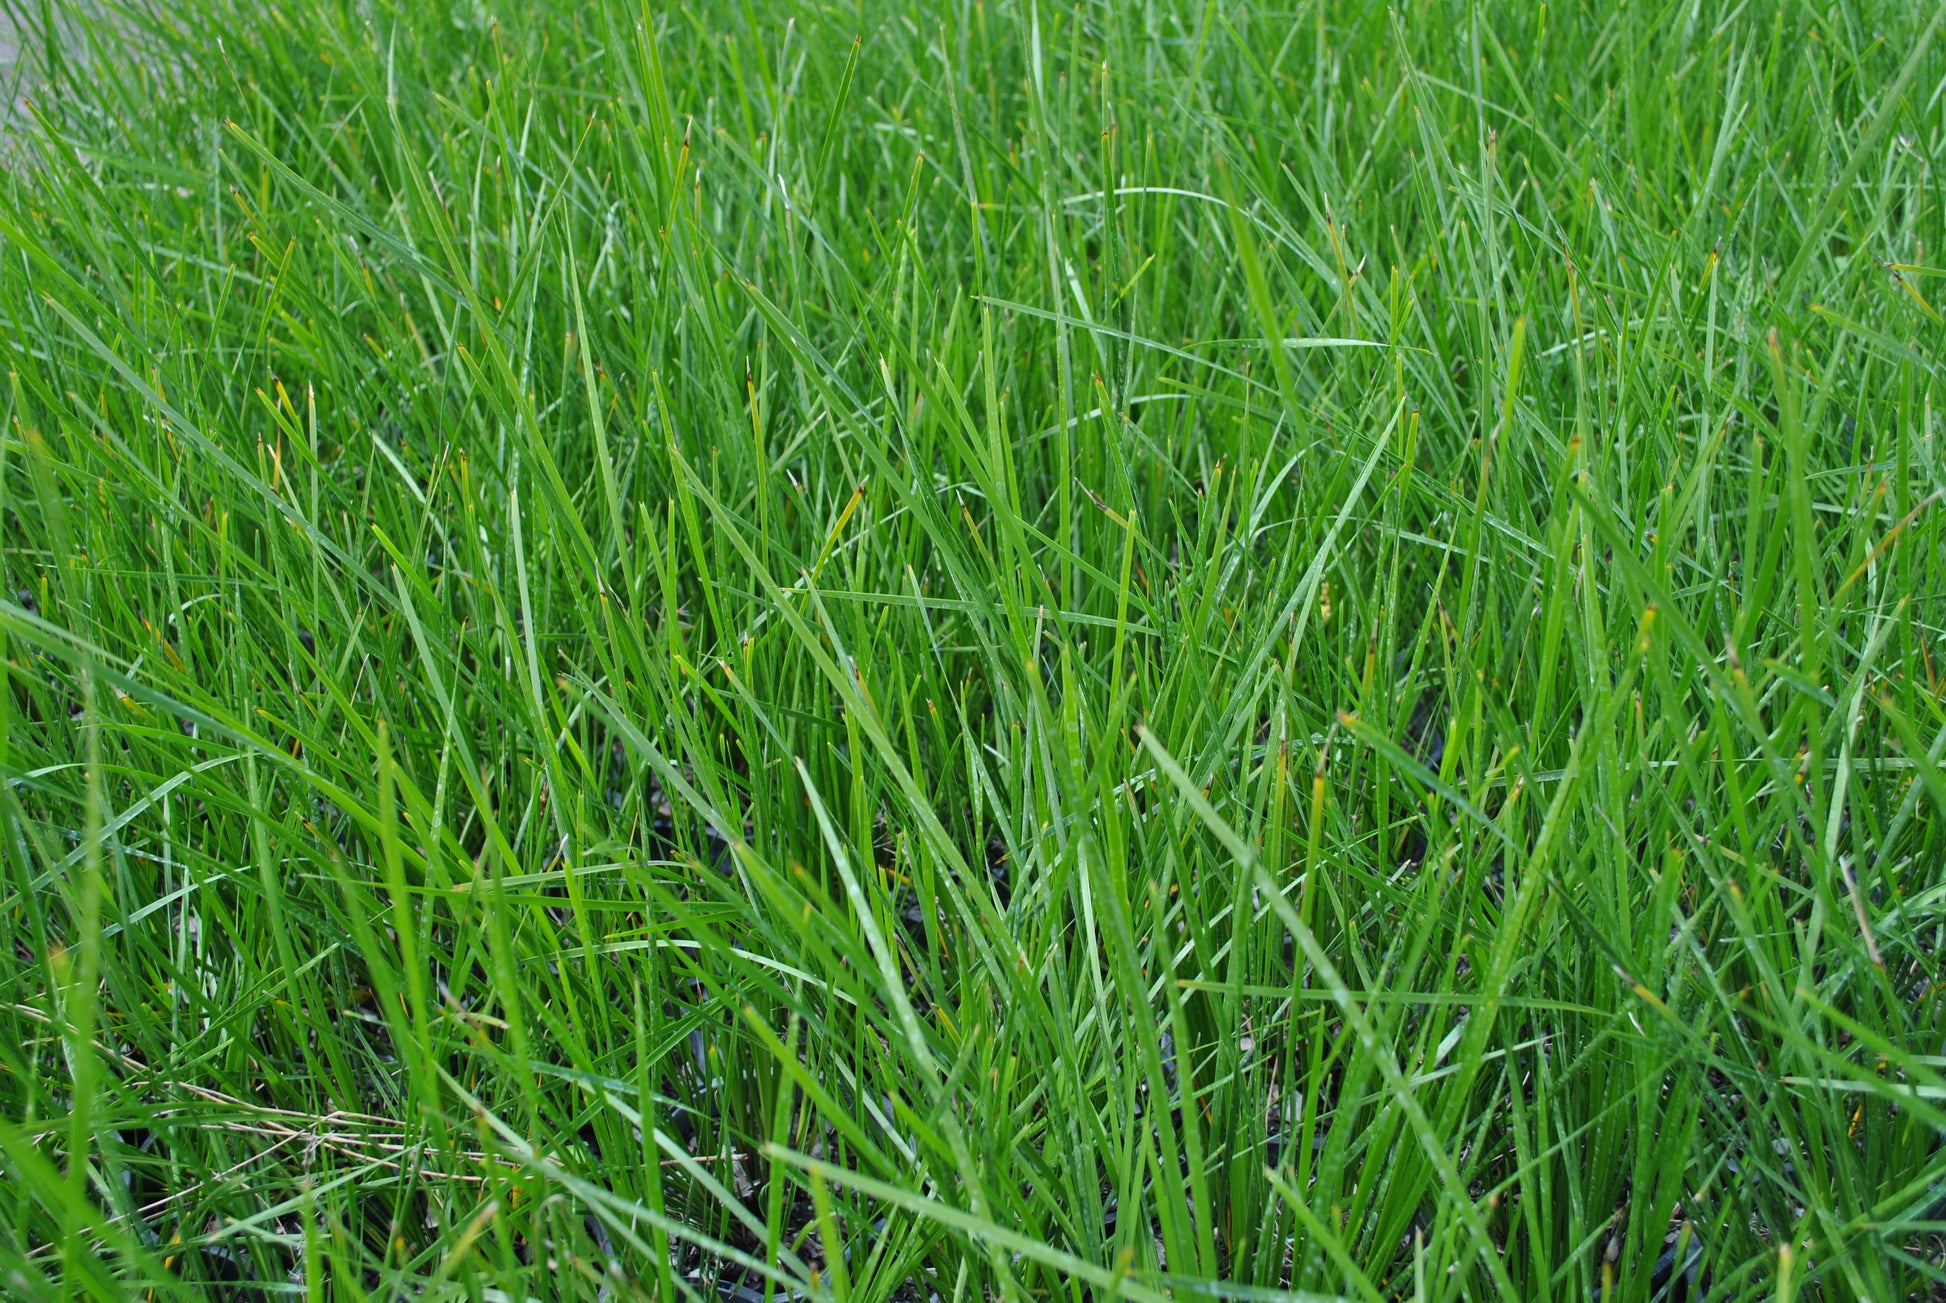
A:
<point x="1006" y="649"/>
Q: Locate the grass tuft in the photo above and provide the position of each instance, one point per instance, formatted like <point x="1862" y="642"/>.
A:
<point x="1020" y="649"/>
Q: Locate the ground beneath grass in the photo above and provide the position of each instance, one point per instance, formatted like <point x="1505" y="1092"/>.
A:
<point x="1022" y="649"/>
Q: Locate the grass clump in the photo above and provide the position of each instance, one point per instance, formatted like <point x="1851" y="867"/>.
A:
<point x="1022" y="649"/>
